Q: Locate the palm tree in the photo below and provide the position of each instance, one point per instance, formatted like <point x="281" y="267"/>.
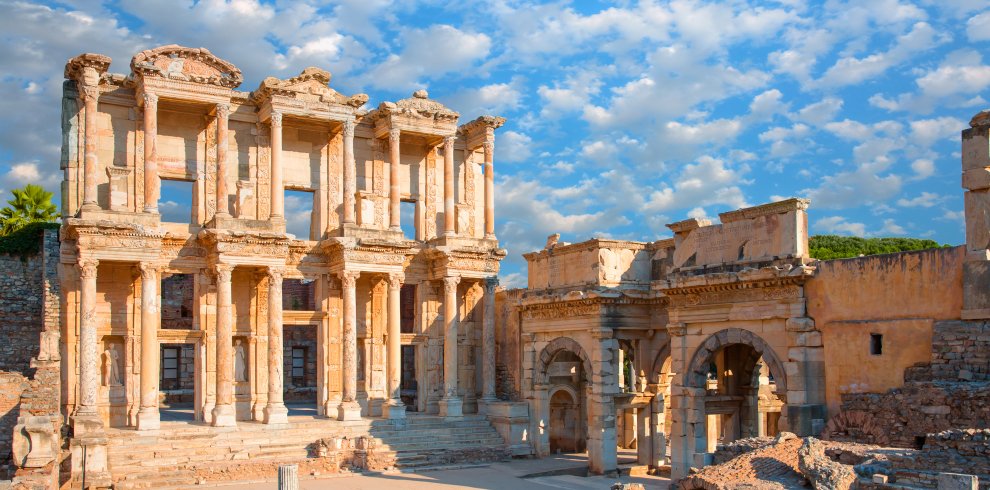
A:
<point x="32" y="204"/>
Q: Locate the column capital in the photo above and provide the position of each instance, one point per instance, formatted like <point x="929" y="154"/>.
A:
<point x="395" y="280"/>
<point x="89" y="92"/>
<point x="393" y="134"/>
<point x="276" y="119"/>
<point x="149" y="270"/>
<point x="490" y="284"/>
<point x="450" y="282"/>
<point x="349" y="126"/>
<point x="150" y="100"/>
<point x="223" y="272"/>
<point x="448" y="141"/>
<point x="223" y="110"/>
<point x="87" y="267"/>
<point x="489" y="146"/>
<point x="275" y="272"/>
<point x="348" y="279"/>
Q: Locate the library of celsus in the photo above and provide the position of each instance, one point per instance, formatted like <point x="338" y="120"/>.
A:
<point x="209" y="337"/>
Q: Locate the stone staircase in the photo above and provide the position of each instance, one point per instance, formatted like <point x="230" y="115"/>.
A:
<point x="183" y="454"/>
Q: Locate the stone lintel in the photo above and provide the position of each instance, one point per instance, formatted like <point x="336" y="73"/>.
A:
<point x="688" y="225"/>
<point x="779" y="207"/>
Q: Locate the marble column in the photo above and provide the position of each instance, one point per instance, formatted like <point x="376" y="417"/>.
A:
<point x="448" y="186"/>
<point x="223" y="114"/>
<point x="488" y="343"/>
<point x="394" y="409"/>
<point x="350" y="179"/>
<point x="223" y="413"/>
<point x="89" y="361"/>
<point x="349" y="408"/>
<point x="90" y="95"/>
<point x="278" y="192"/>
<point x="275" y="411"/>
<point x="395" y="159"/>
<point x="489" y="190"/>
<point x="152" y="183"/>
<point x="450" y="404"/>
<point x="148" y="417"/>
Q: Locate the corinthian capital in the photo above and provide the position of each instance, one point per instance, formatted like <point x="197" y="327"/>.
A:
<point x="276" y="119"/>
<point x="223" y="111"/>
<point x="150" y="101"/>
<point x="491" y="283"/>
<point x="348" y="279"/>
<point x="149" y="271"/>
<point x="451" y="282"/>
<point x="393" y="135"/>
<point x="87" y="267"/>
<point x="395" y="280"/>
<point x="223" y="272"/>
<point x="349" y="128"/>
<point x="275" y="273"/>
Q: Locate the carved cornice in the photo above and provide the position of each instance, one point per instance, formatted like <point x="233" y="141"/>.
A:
<point x="110" y="234"/>
<point x="746" y="279"/>
<point x="311" y="85"/>
<point x="779" y="207"/>
<point x="485" y="124"/>
<point x="245" y="243"/>
<point x="564" y="309"/>
<point x="87" y="68"/>
<point x="196" y="65"/>
<point x="418" y="106"/>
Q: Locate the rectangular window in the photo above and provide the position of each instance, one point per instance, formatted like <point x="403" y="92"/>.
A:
<point x="407" y="308"/>
<point x="175" y="204"/>
<point x="178" y="291"/>
<point x="298" y="295"/>
<point x="299" y="366"/>
<point x="876" y="344"/>
<point x="170" y="368"/>
<point x="407" y="218"/>
<point x="299" y="206"/>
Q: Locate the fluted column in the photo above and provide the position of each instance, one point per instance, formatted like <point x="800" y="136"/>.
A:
<point x="395" y="409"/>
<point x="393" y="184"/>
<point x="148" y="417"/>
<point x="278" y="192"/>
<point x="90" y="95"/>
<point x="489" y="190"/>
<point x="350" y="182"/>
<point x="224" y="413"/>
<point x="450" y="404"/>
<point x="349" y="408"/>
<point x="448" y="186"/>
<point x="275" y="411"/>
<point x="151" y="180"/>
<point x="223" y="114"/>
<point x="488" y="342"/>
<point x="89" y="371"/>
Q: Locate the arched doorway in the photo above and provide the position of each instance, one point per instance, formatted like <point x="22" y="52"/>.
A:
<point x="567" y="434"/>
<point x="744" y="388"/>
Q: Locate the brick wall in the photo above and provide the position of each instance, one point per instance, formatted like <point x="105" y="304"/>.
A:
<point x="178" y="291"/>
<point x="960" y="352"/>
<point x="30" y="379"/>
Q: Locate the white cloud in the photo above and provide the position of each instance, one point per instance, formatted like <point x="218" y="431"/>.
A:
<point x="512" y="146"/>
<point x="839" y="225"/>
<point x="892" y="228"/>
<point x="978" y="27"/>
<point x="925" y="200"/>
<point x="430" y="53"/>
<point x="923" y="168"/>
<point x="820" y="112"/>
<point x="708" y="182"/>
<point x="768" y="104"/>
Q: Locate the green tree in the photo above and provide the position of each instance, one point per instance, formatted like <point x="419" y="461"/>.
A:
<point x="827" y="247"/>
<point x="32" y="204"/>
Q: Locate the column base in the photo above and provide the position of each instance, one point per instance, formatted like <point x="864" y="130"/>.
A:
<point x="394" y="410"/>
<point x="276" y="413"/>
<point x="484" y="402"/>
<point x="349" y="411"/>
<point x="451" y="407"/>
<point x="224" y="416"/>
<point x="148" y="418"/>
<point x="86" y="424"/>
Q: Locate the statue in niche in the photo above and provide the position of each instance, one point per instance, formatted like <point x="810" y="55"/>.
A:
<point x="240" y="362"/>
<point x="111" y="366"/>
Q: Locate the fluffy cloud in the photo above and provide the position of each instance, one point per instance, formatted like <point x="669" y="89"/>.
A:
<point x="430" y="53"/>
<point x="978" y="27"/>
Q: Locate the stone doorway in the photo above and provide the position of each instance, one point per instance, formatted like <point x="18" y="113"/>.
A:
<point x="299" y="349"/>
<point x="177" y="382"/>
<point x="566" y="435"/>
<point x="408" y="386"/>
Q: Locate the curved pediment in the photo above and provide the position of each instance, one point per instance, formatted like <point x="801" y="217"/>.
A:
<point x="175" y="62"/>
<point x="419" y="105"/>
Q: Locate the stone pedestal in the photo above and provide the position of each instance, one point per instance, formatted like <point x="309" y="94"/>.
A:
<point x="349" y="411"/>
<point x="451" y="407"/>
<point x="89" y="452"/>
<point x="394" y="411"/>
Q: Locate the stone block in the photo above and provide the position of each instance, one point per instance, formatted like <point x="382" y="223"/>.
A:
<point x="975" y="148"/>
<point x="956" y="481"/>
<point x="880" y="479"/>
<point x="976" y="281"/>
<point x="799" y="324"/>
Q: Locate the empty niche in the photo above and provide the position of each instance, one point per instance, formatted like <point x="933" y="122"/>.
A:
<point x="299" y="213"/>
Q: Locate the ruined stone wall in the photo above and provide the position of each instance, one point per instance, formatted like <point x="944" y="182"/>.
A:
<point x="953" y="391"/>
<point x="964" y="451"/>
<point x="896" y="296"/>
<point x="29" y="357"/>
<point x="507" y="340"/>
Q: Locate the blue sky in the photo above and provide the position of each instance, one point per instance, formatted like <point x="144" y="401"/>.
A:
<point x="622" y="117"/>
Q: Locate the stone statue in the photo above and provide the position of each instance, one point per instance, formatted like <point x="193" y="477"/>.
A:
<point x="240" y="362"/>
<point x="111" y="366"/>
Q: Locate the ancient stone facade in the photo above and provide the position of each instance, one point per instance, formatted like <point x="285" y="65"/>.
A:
<point x="731" y="330"/>
<point x="179" y="116"/>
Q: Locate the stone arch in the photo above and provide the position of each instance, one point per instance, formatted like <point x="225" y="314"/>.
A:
<point x="660" y="360"/>
<point x="556" y="346"/>
<point x="695" y="377"/>
<point x="855" y="426"/>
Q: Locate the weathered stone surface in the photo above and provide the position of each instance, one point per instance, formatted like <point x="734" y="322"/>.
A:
<point x="822" y="472"/>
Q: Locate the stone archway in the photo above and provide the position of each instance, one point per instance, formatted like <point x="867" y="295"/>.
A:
<point x="553" y="376"/>
<point x="723" y="379"/>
